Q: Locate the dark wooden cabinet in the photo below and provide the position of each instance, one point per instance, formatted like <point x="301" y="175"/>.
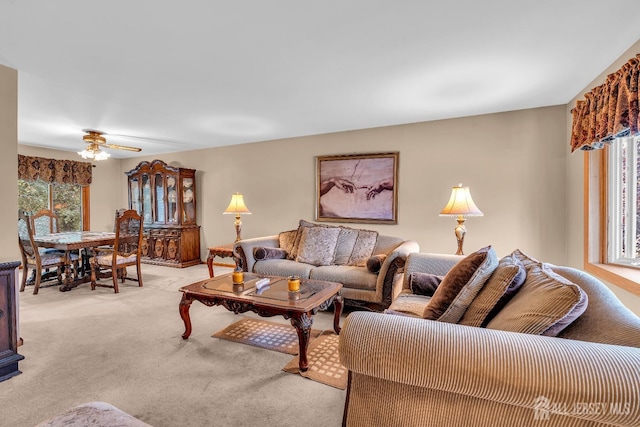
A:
<point x="165" y="197"/>
<point x="9" y="356"/>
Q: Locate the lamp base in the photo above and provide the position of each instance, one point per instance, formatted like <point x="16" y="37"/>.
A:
<point x="460" y="231"/>
<point x="238" y="225"/>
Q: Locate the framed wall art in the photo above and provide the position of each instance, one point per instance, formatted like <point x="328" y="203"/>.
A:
<point x="357" y="188"/>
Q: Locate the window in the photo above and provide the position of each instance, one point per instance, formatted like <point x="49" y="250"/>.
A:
<point x="65" y="200"/>
<point x="623" y="202"/>
<point x="612" y="224"/>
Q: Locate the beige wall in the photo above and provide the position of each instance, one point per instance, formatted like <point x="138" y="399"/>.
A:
<point x="513" y="162"/>
<point x="8" y="163"/>
<point x="575" y="192"/>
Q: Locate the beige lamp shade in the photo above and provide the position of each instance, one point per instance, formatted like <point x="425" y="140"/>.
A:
<point x="461" y="203"/>
<point x="237" y="206"/>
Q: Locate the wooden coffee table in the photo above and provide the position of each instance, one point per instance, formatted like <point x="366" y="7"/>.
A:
<point x="269" y="301"/>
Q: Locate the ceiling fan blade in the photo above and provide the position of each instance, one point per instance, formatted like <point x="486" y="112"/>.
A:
<point x="121" y="147"/>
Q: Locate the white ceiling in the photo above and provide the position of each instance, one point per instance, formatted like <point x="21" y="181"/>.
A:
<point x="205" y="73"/>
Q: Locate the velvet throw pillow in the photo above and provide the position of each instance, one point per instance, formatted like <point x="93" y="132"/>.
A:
<point x="374" y="263"/>
<point x="461" y="285"/>
<point x="262" y="253"/>
<point x="545" y="305"/>
<point x="317" y="245"/>
<point x="499" y="289"/>
<point x="424" y="283"/>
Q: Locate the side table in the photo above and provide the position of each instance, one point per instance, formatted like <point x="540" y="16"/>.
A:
<point x="223" y="251"/>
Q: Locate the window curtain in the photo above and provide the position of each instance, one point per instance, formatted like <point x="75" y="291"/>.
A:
<point x="54" y="171"/>
<point x="609" y="111"/>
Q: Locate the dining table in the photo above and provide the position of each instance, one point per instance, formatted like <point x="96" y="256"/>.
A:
<point x="71" y="241"/>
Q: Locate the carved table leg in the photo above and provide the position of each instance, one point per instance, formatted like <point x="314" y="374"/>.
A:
<point x="210" y="264"/>
<point x="185" y="304"/>
<point x="302" y="322"/>
<point x="337" y="308"/>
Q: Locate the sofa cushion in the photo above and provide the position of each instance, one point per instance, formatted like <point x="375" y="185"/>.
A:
<point x="374" y="263"/>
<point x="318" y="245"/>
<point x="461" y="285"/>
<point x="545" y="305"/>
<point x="350" y="276"/>
<point x="282" y="267"/>
<point x="346" y="241"/>
<point x="409" y="303"/>
<point x="363" y="248"/>
<point x="424" y="283"/>
<point x="499" y="289"/>
<point x="286" y="241"/>
<point x="263" y="252"/>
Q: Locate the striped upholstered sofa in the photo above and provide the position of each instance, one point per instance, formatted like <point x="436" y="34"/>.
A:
<point x="408" y="371"/>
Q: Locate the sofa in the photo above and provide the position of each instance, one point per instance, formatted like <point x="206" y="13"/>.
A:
<point x="405" y="370"/>
<point x="368" y="264"/>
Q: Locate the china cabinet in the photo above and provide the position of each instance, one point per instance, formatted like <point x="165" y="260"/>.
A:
<point x="165" y="197"/>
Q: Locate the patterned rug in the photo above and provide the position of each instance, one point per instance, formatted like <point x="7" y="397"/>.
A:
<point x="324" y="362"/>
<point x="260" y="333"/>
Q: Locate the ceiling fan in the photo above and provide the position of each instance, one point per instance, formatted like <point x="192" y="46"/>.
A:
<point x="95" y="139"/>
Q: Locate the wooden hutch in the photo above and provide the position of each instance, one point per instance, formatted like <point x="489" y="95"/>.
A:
<point x="165" y="197"/>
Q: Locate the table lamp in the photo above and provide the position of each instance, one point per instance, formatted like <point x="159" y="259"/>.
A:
<point x="237" y="208"/>
<point x="460" y="205"/>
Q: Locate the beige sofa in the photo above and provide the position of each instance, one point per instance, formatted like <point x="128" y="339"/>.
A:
<point x="361" y="287"/>
<point x="408" y="371"/>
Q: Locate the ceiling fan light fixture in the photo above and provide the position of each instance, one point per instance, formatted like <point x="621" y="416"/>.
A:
<point x="94" y="137"/>
<point x="94" y="152"/>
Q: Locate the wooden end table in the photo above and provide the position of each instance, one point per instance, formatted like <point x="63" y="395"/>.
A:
<point x="223" y="251"/>
<point x="269" y="301"/>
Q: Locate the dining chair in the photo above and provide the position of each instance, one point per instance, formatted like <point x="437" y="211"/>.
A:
<point x="45" y="221"/>
<point x="33" y="257"/>
<point x="124" y="253"/>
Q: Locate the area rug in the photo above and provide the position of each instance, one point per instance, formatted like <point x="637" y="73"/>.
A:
<point x="260" y="333"/>
<point x="324" y="362"/>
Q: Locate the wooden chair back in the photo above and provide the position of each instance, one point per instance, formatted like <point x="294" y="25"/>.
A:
<point x="44" y="222"/>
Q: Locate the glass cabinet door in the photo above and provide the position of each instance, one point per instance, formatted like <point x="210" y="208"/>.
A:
<point x="172" y="199"/>
<point x="134" y="195"/>
<point x="159" y="192"/>
<point x="146" y="198"/>
<point x="188" y="203"/>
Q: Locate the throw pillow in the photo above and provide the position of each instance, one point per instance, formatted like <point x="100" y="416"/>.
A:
<point x="261" y="253"/>
<point x="317" y="245"/>
<point x="424" y="283"/>
<point x="526" y="260"/>
<point x="302" y="224"/>
<point x="501" y="286"/>
<point x="346" y="241"/>
<point x="363" y="248"/>
<point x="545" y="305"/>
<point x="461" y="285"/>
<point x="286" y="240"/>
<point x="374" y="263"/>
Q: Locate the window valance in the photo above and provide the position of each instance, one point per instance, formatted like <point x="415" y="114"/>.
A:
<point x="54" y="171"/>
<point x="609" y="111"/>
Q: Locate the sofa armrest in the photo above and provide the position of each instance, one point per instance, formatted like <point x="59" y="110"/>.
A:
<point x="243" y="249"/>
<point x="386" y="284"/>
<point x="431" y="263"/>
<point x="507" y="368"/>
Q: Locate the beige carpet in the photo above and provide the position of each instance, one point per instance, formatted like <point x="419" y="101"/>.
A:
<point x="324" y="362"/>
<point x="126" y="349"/>
<point x="264" y="334"/>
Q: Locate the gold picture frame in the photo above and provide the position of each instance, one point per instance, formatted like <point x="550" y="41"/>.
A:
<point x="357" y="188"/>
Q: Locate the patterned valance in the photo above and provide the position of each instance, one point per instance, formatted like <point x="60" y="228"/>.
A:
<point x="54" y="171"/>
<point x="609" y="110"/>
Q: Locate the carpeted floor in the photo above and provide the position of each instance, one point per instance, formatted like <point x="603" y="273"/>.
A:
<point x="126" y="349"/>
